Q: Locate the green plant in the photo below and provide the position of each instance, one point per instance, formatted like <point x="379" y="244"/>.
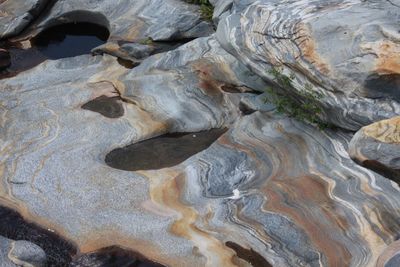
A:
<point x="146" y="41"/>
<point x="206" y="9"/>
<point x="305" y="108"/>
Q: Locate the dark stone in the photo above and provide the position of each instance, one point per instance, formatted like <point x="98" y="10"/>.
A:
<point x="249" y="255"/>
<point x="113" y="257"/>
<point x="59" y="251"/>
<point x="5" y="59"/>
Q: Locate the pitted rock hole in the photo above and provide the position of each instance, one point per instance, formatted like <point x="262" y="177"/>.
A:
<point x="110" y="107"/>
<point x="249" y="255"/>
<point x="59" y="252"/>
<point x="163" y="151"/>
<point x="62" y="41"/>
<point x="112" y="257"/>
<point x="69" y="40"/>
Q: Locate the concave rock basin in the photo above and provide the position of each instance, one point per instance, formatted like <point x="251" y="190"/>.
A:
<point x="56" y="42"/>
<point x="107" y="158"/>
<point x="69" y="40"/>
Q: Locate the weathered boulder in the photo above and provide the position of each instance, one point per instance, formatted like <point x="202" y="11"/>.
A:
<point x="21" y="254"/>
<point x="377" y="146"/>
<point x="347" y="51"/>
<point x="15" y="15"/>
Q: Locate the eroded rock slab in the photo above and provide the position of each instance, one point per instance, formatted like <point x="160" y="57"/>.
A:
<point x="377" y="146"/>
<point x="347" y="51"/>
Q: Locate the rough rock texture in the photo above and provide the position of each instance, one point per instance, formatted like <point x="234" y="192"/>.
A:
<point x="271" y="189"/>
<point x="20" y="254"/>
<point x="15" y="15"/>
<point x="377" y="146"/>
<point x="345" y="50"/>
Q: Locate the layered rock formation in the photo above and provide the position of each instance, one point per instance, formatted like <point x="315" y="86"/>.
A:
<point x="270" y="191"/>
<point x="351" y="60"/>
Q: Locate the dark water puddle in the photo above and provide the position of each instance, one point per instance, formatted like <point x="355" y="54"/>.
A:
<point x="70" y="40"/>
<point x="67" y="40"/>
<point x="113" y="257"/>
<point x="59" y="252"/>
<point x="110" y="107"/>
<point x="162" y="152"/>
<point x="249" y="255"/>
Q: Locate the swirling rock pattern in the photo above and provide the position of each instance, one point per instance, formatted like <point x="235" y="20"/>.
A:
<point x="345" y="50"/>
<point x="271" y="191"/>
<point x="377" y="146"/>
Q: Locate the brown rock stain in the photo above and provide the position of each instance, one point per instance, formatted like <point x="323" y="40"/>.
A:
<point x="168" y="194"/>
<point x="310" y="200"/>
<point x="385" y="131"/>
<point x="388" y="56"/>
<point x="308" y="49"/>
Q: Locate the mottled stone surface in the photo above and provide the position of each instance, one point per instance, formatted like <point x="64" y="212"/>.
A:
<point x="20" y="253"/>
<point x="377" y="146"/>
<point x="269" y="191"/>
<point x="345" y="50"/>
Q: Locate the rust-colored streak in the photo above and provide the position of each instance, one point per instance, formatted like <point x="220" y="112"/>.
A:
<point x="308" y="198"/>
<point x="167" y="194"/>
<point x="389" y="58"/>
<point x="308" y="49"/>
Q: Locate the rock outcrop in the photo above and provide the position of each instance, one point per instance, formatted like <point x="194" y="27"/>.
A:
<point x="377" y="146"/>
<point x="351" y="60"/>
<point x="269" y="191"/>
